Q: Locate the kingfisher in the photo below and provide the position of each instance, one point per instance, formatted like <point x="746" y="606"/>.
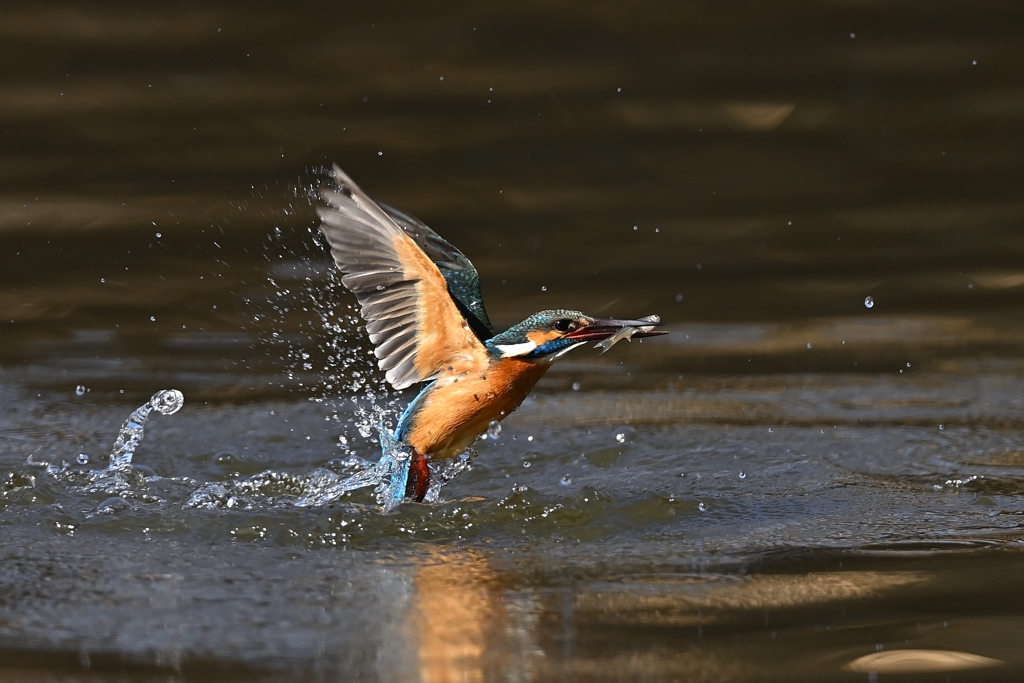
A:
<point x="421" y="300"/>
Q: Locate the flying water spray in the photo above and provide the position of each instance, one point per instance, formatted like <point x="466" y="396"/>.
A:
<point x="166" y="402"/>
<point x="390" y="475"/>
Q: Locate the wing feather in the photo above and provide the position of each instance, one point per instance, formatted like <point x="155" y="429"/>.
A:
<point x="381" y="310"/>
<point x="395" y="345"/>
<point x="402" y="368"/>
<point x="417" y="325"/>
<point x="457" y="270"/>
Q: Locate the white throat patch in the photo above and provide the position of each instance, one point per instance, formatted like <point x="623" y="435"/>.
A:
<point x="512" y="350"/>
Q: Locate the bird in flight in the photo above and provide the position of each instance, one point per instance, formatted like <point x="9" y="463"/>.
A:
<point x="420" y="298"/>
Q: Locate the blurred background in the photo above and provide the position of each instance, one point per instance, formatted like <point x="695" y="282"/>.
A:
<point x="824" y="460"/>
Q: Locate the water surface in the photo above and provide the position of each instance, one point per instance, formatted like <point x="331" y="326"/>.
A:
<point x="790" y="481"/>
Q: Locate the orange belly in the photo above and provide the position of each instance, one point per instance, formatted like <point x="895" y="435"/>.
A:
<point x="459" y="408"/>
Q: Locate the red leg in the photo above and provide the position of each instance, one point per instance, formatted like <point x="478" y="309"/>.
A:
<point x="419" y="478"/>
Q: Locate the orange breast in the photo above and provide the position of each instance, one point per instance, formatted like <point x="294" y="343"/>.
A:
<point x="459" y="407"/>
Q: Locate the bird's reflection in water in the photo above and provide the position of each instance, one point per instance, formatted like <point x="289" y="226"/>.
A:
<point x="467" y="622"/>
<point x="464" y="623"/>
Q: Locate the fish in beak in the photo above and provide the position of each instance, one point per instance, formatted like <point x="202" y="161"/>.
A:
<point x="608" y="331"/>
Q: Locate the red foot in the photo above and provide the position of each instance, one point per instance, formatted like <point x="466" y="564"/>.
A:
<point x="419" y="478"/>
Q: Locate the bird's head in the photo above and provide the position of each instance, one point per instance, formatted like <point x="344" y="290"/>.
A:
<point x="547" y="335"/>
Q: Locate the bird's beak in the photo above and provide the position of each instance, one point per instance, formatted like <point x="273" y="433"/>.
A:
<point x="603" y="328"/>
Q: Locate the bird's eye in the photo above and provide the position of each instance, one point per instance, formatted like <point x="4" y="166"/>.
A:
<point x="563" y="325"/>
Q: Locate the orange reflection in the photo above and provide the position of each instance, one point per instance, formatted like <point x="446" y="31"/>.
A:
<point x="457" y="606"/>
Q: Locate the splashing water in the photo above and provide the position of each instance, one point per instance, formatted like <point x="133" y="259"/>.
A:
<point x="390" y="475"/>
<point x="321" y="337"/>
<point x="166" y="402"/>
<point x="444" y="472"/>
<point x="119" y="479"/>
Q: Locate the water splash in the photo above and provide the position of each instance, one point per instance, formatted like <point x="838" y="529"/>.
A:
<point x="389" y="474"/>
<point x="444" y="472"/>
<point x="166" y="402"/>
<point x="323" y="486"/>
<point x="122" y="484"/>
<point x="320" y="337"/>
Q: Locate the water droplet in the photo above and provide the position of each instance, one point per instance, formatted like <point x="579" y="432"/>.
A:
<point x="168" y="401"/>
<point x="82" y="459"/>
<point x="702" y="507"/>
<point x="529" y="438"/>
<point x="159" y="235"/>
<point x="908" y="365"/>
<point x="941" y="427"/>
<point x="527" y="463"/>
<point x="575" y="386"/>
<point x="808" y="344"/>
<point x="80" y="390"/>
<point x="869" y="302"/>
<point x="103" y="280"/>
<point x="493" y="429"/>
<point x="743" y="475"/>
<point x="679" y="297"/>
<point x="625" y="434"/>
<point x="769" y="430"/>
<point x="152" y="318"/>
<point x="565" y="481"/>
<point x="852" y="36"/>
<point x="544" y="288"/>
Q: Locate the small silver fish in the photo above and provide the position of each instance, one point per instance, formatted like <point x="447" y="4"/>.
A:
<point x="626" y="333"/>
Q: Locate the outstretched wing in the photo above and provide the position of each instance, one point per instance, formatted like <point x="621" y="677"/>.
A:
<point x="414" y="323"/>
<point x="462" y="278"/>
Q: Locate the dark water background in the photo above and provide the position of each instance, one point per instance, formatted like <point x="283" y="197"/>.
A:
<point x="801" y="480"/>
